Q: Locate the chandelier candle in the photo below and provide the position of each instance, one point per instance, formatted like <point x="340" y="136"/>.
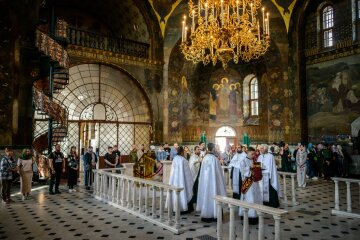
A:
<point x="219" y="32"/>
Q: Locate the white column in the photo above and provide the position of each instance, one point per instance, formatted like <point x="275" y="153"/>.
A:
<point x="170" y="206"/>
<point x="161" y="204"/>
<point x="147" y="213"/>
<point x="277" y="227"/>
<point x="141" y="198"/>
<point x="166" y="171"/>
<point x="110" y="191"/>
<point x="219" y="220"/>
<point x="113" y="185"/>
<point x="261" y="226"/>
<point x="177" y="210"/>
<point x="232" y="222"/>
<point x="153" y="204"/>
<point x="128" y="199"/>
<point x="97" y="186"/>
<point x="348" y="196"/>
<point x="100" y="185"/>
<point x="337" y="207"/>
<point x="105" y="186"/>
<point x="285" y="191"/>
<point x="293" y="189"/>
<point x="118" y="191"/>
<point x="134" y="196"/>
<point x="123" y="199"/>
<point x="129" y="169"/>
<point x="246" y="224"/>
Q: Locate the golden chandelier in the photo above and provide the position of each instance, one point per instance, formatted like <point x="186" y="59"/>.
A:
<point x="224" y="30"/>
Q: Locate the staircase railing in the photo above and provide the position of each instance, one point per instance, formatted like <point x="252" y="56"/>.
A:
<point x="51" y="108"/>
<point x="80" y="37"/>
<point x="52" y="47"/>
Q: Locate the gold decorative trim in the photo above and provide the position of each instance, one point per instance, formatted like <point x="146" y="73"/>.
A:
<point x="332" y="55"/>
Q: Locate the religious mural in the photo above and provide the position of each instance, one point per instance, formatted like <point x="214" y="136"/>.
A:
<point x="333" y="92"/>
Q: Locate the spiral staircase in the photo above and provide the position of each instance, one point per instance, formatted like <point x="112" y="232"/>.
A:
<point x="54" y="62"/>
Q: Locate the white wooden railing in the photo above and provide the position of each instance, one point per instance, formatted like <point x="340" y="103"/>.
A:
<point x="261" y="210"/>
<point x="227" y="173"/>
<point x="284" y="190"/>
<point x="348" y="212"/>
<point x="131" y="194"/>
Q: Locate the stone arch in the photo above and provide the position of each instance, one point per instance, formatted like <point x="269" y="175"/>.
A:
<point x="98" y="83"/>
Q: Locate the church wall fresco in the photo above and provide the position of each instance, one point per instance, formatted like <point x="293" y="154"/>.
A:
<point x="333" y="95"/>
<point x="206" y="97"/>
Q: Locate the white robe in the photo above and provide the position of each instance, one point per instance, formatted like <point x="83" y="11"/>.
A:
<point x="194" y="164"/>
<point x="269" y="172"/>
<point x="211" y="183"/>
<point x="235" y="163"/>
<point x="301" y="167"/>
<point x="253" y="194"/>
<point x="180" y="176"/>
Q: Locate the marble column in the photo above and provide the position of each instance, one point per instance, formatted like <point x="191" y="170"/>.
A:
<point x="129" y="169"/>
<point x="166" y="171"/>
<point x="166" y="101"/>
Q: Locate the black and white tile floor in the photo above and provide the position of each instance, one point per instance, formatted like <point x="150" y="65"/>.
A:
<point x="79" y="216"/>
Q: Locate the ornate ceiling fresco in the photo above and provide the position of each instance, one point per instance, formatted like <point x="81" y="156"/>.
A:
<point x="285" y="8"/>
<point x="164" y="8"/>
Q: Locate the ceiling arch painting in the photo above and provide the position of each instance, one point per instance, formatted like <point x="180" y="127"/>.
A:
<point x="285" y="8"/>
<point x="91" y="84"/>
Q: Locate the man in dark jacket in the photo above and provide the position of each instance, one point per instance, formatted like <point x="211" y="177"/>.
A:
<point x="90" y="160"/>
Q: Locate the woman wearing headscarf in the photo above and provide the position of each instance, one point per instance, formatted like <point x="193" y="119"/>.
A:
<point x="25" y="164"/>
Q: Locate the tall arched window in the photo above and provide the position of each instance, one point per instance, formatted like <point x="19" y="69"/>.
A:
<point x="254" y="97"/>
<point x="327" y="26"/>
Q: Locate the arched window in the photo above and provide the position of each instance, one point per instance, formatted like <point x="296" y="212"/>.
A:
<point x="327" y="26"/>
<point x="254" y="97"/>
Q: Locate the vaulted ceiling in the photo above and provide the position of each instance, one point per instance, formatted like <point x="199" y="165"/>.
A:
<point x="121" y="18"/>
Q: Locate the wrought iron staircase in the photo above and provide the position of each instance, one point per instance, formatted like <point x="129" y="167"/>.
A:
<point x="52" y="49"/>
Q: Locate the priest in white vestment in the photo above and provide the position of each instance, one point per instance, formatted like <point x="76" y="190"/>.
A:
<point x="195" y="166"/>
<point x="202" y="149"/>
<point x="270" y="181"/>
<point x="251" y="191"/>
<point x="235" y="174"/>
<point x="195" y="162"/>
<point x="180" y="176"/>
<point x="211" y="183"/>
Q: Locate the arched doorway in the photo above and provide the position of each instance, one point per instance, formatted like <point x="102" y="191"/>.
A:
<point x="225" y="136"/>
<point x="105" y="107"/>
